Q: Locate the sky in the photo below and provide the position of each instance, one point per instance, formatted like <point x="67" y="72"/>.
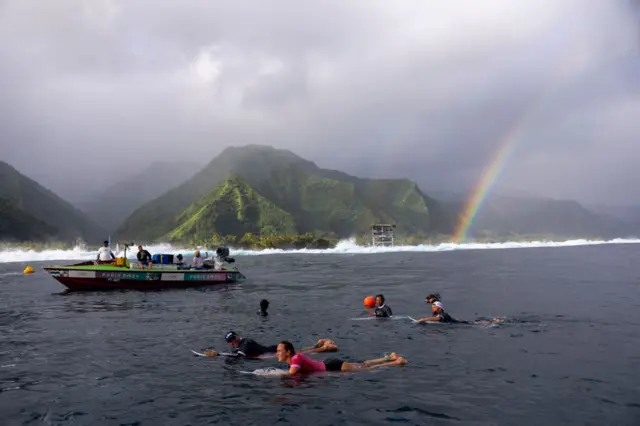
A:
<point x="95" y="90"/>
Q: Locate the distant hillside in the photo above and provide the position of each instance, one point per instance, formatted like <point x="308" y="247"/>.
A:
<point x="16" y="225"/>
<point x="111" y="205"/>
<point x="263" y="189"/>
<point x="30" y="211"/>
<point x="504" y="215"/>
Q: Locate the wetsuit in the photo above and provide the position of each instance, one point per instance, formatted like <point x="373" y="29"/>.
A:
<point x="445" y="317"/>
<point x="249" y="348"/>
<point x="383" y="311"/>
<point x="307" y="365"/>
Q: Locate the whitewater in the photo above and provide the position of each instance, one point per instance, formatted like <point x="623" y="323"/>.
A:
<point x="343" y="247"/>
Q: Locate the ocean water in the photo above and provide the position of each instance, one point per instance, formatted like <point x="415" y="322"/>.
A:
<point x="569" y="354"/>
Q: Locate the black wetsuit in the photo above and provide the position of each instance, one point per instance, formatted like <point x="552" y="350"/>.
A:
<point x="383" y="311"/>
<point x="445" y="317"/>
<point x="249" y="347"/>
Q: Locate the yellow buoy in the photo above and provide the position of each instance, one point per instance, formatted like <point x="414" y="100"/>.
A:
<point x="29" y="270"/>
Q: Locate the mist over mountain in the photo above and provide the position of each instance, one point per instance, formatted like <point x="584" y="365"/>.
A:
<point x="110" y="205"/>
<point x="426" y="91"/>
<point x="31" y="212"/>
<point x="262" y="190"/>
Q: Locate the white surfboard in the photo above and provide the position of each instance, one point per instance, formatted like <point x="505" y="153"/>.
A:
<point x="219" y="353"/>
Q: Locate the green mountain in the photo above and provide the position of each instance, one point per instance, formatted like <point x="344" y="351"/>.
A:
<point x="16" y="225"/>
<point x="262" y="189"/>
<point x="116" y="202"/>
<point x="29" y="211"/>
<point x="235" y="208"/>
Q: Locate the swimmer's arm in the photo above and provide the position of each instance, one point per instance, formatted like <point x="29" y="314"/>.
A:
<point x="428" y="319"/>
<point x="292" y="370"/>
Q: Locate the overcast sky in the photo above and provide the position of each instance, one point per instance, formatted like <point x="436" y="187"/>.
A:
<point x="102" y="87"/>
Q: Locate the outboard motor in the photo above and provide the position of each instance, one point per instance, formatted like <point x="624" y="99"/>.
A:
<point x="222" y="257"/>
<point x="223" y="254"/>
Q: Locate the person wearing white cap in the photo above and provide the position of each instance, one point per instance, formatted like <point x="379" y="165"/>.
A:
<point x="439" y="315"/>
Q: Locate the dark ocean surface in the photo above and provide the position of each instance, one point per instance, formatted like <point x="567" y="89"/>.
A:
<point x="570" y="355"/>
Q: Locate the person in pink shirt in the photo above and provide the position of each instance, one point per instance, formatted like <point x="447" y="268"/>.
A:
<point x="302" y="364"/>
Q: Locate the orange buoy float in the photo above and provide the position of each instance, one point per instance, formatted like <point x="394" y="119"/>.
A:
<point x="369" y="301"/>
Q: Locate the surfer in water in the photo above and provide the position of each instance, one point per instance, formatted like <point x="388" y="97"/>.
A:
<point x="244" y="347"/>
<point x="300" y="363"/>
<point x="439" y="315"/>
<point x="322" y="345"/>
<point x="250" y="348"/>
<point x="434" y="297"/>
<point x="264" y="305"/>
<point x="382" y="310"/>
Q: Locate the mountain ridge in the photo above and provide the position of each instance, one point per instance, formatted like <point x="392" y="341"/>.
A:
<point x="319" y="200"/>
<point x="30" y="202"/>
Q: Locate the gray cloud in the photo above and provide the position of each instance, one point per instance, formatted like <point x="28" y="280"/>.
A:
<point x="428" y="90"/>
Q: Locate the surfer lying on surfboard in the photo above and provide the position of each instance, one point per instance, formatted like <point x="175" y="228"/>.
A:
<point x="250" y="348"/>
<point x="439" y="315"/>
<point x="300" y="363"/>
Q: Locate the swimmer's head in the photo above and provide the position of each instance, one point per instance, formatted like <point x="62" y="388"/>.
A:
<point x="264" y="304"/>
<point x="437" y="307"/>
<point x="432" y="298"/>
<point x="379" y="300"/>
<point x="285" y="351"/>
<point x="232" y="338"/>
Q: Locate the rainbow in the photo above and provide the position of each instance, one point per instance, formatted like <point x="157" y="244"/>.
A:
<point x="491" y="171"/>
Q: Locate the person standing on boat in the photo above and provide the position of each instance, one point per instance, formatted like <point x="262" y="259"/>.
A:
<point x="144" y="258"/>
<point x="105" y="255"/>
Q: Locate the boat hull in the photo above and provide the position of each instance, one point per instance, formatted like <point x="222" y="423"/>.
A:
<point x="116" y="278"/>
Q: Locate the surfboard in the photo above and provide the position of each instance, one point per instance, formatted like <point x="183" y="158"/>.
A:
<point x="269" y="371"/>
<point x="219" y="353"/>
<point x="239" y="354"/>
<point x="392" y="317"/>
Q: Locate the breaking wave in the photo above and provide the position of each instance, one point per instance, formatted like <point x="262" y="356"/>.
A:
<point x="343" y="247"/>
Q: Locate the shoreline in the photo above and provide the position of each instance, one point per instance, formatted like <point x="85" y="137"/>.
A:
<point x="332" y="245"/>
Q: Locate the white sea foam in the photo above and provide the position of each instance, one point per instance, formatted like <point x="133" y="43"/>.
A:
<point x="343" y="247"/>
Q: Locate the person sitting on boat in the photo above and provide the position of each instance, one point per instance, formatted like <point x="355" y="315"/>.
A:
<point x="179" y="261"/>
<point x="300" y="363"/>
<point x="381" y="310"/>
<point x="144" y="258"/>
<point x="250" y="348"/>
<point x="198" y="261"/>
<point x="105" y="255"/>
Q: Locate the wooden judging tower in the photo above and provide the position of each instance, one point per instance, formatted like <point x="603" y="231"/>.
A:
<point x="382" y="235"/>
